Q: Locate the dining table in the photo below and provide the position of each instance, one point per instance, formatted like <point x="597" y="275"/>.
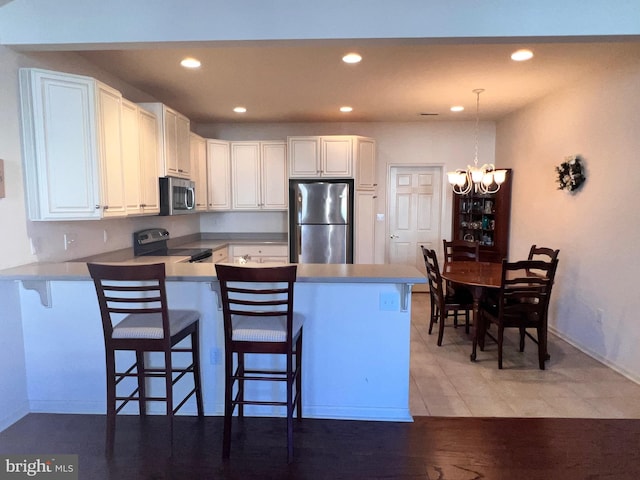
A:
<point x="478" y="277"/>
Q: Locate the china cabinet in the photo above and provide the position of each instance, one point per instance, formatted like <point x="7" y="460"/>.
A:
<point x="484" y="218"/>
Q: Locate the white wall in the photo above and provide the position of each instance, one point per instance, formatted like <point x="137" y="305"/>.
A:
<point x="595" y="302"/>
<point x="446" y="144"/>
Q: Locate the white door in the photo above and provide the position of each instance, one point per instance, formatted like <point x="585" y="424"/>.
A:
<point x="414" y="214"/>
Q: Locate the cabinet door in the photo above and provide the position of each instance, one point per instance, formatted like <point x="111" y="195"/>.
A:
<point x="199" y="169"/>
<point x="61" y="167"/>
<point x="365" y="163"/>
<point x="245" y="175"/>
<point x="110" y="151"/>
<point x="304" y="157"/>
<point x="149" y="161"/>
<point x="170" y="135"/>
<point x="218" y="175"/>
<point x="183" y="146"/>
<point x="365" y="211"/>
<point x="131" y="158"/>
<point x="274" y="184"/>
<point x="337" y="156"/>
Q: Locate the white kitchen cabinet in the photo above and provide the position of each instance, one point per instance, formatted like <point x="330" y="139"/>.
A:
<point x="365" y="163"/>
<point x="258" y="173"/>
<point x="199" y="169"/>
<point x="265" y="253"/>
<point x="110" y="151"/>
<point x="329" y="156"/>
<point x="140" y="160"/>
<point x="220" y="255"/>
<point x="173" y="138"/>
<point x="148" y="149"/>
<point x="131" y="158"/>
<point x="72" y="146"/>
<point x="364" y="236"/>
<point x="218" y="175"/>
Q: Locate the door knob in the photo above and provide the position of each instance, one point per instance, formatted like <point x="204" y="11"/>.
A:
<point x="394" y="236"/>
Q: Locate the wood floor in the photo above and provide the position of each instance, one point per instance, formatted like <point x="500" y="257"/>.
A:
<point x="429" y="448"/>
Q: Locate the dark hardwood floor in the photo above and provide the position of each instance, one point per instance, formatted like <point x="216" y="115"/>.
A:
<point x="429" y="448"/>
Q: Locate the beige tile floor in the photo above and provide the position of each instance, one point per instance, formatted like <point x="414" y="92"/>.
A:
<point x="444" y="382"/>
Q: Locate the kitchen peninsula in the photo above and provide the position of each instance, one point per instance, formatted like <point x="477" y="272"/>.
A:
<point x="356" y="340"/>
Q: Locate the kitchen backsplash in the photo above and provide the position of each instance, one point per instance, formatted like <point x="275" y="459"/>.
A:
<point x="64" y="241"/>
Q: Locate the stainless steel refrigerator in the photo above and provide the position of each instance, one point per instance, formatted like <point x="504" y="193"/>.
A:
<point x="320" y="221"/>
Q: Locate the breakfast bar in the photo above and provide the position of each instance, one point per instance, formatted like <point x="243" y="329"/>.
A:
<point x="357" y="336"/>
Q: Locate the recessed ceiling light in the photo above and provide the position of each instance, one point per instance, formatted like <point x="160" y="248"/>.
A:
<point x="522" y="55"/>
<point x="352" y="58"/>
<point x="346" y="109"/>
<point x="457" y="108"/>
<point x="240" y="110"/>
<point x="190" y="62"/>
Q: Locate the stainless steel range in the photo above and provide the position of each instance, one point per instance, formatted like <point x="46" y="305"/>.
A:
<point x="153" y="241"/>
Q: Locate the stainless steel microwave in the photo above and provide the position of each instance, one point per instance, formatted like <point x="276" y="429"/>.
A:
<point x="177" y="196"/>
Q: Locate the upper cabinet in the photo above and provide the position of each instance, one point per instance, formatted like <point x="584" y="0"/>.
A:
<point x="218" y="175"/>
<point x="334" y="156"/>
<point x="365" y="163"/>
<point x="140" y="160"/>
<point x="259" y="175"/>
<point x="72" y="146"/>
<point x="330" y="156"/>
<point x="173" y="137"/>
<point x="199" y="169"/>
<point x="88" y="152"/>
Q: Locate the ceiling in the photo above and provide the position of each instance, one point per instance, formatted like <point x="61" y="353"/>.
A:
<point x="397" y="81"/>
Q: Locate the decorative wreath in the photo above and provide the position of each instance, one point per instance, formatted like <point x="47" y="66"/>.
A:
<point x="570" y="174"/>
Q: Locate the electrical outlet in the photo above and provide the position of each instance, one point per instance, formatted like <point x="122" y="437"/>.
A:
<point x="105" y="236"/>
<point x="69" y="240"/>
<point x="389" y="302"/>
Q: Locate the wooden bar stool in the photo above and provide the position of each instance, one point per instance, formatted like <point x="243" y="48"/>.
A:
<point x="257" y="306"/>
<point x="138" y="293"/>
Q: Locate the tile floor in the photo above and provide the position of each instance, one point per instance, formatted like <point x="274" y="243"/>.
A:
<point x="444" y="382"/>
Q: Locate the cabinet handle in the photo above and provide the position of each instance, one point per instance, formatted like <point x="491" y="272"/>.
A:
<point x="106" y="207"/>
<point x="97" y="207"/>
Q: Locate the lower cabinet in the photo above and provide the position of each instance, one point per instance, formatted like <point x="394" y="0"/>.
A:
<point x="220" y="255"/>
<point x="364" y="236"/>
<point x="259" y="253"/>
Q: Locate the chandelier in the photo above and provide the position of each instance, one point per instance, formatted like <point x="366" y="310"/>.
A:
<point x="484" y="179"/>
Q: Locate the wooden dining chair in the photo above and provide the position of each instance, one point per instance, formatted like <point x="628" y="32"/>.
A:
<point x="136" y="318"/>
<point x="542" y="253"/>
<point x="461" y="250"/>
<point x="259" y="318"/>
<point x="522" y="301"/>
<point x="443" y="303"/>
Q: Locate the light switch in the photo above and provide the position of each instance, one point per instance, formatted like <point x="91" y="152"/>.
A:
<point x="380" y="217"/>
